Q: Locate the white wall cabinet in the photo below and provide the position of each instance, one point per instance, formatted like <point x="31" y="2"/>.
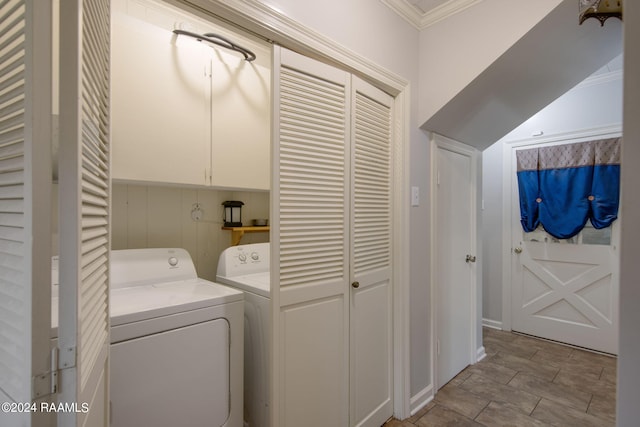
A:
<point x="185" y="112"/>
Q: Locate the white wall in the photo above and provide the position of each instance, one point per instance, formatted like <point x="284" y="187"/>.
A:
<point x="492" y="234"/>
<point x="159" y="216"/>
<point x="628" y="411"/>
<point x="455" y="51"/>
<point x="375" y="32"/>
<point x="595" y="103"/>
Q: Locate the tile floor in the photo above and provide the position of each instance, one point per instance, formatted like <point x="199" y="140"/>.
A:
<point x="522" y="382"/>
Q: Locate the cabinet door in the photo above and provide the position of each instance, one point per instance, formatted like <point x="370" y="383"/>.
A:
<point x="240" y="118"/>
<point x="160" y="104"/>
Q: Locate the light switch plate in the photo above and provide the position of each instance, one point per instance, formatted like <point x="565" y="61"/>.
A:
<point x="415" y="196"/>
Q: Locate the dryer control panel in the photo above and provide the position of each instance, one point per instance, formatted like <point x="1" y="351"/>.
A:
<point x="244" y="259"/>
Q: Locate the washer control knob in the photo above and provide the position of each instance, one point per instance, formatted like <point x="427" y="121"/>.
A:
<point x="242" y="256"/>
<point x="255" y="256"/>
<point x="173" y="261"/>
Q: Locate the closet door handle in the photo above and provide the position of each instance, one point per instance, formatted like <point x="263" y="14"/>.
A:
<point x="355" y="285"/>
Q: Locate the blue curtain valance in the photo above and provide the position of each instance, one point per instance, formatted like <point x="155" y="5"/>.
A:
<point x="563" y="186"/>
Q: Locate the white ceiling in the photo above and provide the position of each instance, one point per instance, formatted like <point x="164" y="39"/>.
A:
<point x="554" y="56"/>
<point x="422" y="13"/>
<point x="425" y="6"/>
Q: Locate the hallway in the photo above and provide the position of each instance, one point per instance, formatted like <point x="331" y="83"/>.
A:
<point x="522" y="382"/>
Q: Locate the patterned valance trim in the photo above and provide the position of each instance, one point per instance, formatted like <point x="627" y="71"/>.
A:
<point x="590" y="153"/>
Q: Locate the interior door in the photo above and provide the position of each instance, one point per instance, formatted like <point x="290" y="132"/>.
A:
<point x="84" y="188"/>
<point x="564" y="290"/>
<point x="331" y="254"/>
<point x="309" y="229"/>
<point x="371" y="338"/>
<point x="25" y="206"/>
<point x="455" y="261"/>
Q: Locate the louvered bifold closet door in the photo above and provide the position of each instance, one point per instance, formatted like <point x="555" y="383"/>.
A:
<point x="25" y="204"/>
<point x="309" y="248"/>
<point x="371" y="313"/>
<point x="84" y="208"/>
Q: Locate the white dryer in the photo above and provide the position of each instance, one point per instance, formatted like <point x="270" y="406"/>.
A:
<point x="246" y="267"/>
<point x="176" y="343"/>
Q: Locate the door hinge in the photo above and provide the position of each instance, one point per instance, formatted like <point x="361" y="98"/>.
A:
<point x="67" y="358"/>
<point x="48" y="383"/>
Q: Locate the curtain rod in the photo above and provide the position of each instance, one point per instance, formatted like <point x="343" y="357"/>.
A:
<point x="220" y="41"/>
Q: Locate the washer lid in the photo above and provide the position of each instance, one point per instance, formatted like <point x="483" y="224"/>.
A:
<point x="137" y="303"/>
<point x="258" y="283"/>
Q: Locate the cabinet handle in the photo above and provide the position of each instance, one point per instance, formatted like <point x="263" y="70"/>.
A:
<point x="355" y="284"/>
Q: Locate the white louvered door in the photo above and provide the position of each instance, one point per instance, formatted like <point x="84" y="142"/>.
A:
<point x="84" y="210"/>
<point x="25" y="203"/>
<point x="371" y="338"/>
<point x="331" y="224"/>
<point x="309" y="251"/>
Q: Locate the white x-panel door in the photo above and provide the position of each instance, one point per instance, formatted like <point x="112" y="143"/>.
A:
<point x="565" y="290"/>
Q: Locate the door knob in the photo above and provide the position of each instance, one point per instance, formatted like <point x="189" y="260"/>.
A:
<point x="470" y="258"/>
<point x="356" y="284"/>
<point x="518" y="250"/>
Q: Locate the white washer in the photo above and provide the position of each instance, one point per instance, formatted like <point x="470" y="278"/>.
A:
<point x="246" y="267"/>
<point x="176" y="343"/>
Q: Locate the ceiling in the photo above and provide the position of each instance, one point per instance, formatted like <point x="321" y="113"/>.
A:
<point x="422" y="13"/>
<point x="553" y="57"/>
<point x="425" y="6"/>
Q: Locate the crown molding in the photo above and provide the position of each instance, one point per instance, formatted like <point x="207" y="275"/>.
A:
<point x="271" y="24"/>
<point x="421" y="21"/>
<point x="406" y="11"/>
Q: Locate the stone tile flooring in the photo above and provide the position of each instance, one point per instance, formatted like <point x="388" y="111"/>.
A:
<point x="523" y="382"/>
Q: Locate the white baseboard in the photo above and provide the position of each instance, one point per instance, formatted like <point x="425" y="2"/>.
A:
<point x="494" y="324"/>
<point x="420" y="399"/>
<point x="480" y="354"/>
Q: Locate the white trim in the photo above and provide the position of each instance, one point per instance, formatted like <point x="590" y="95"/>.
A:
<point x="267" y="22"/>
<point x="406" y="11"/>
<point x="608" y="131"/>
<point x="599" y="79"/>
<point x="423" y="20"/>
<point x="421" y="399"/>
<point x="508" y="159"/>
<point x="480" y="354"/>
<point x="401" y="245"/>
<point x="506" y="238"/>
<point x="436" y="142"/>
<point x="493" y="324"/>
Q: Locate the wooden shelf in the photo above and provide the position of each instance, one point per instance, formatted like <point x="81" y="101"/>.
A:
<point x="238" y="232"/>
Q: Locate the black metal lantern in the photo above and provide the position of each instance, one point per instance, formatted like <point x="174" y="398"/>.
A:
<point x="232" y="213"/>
